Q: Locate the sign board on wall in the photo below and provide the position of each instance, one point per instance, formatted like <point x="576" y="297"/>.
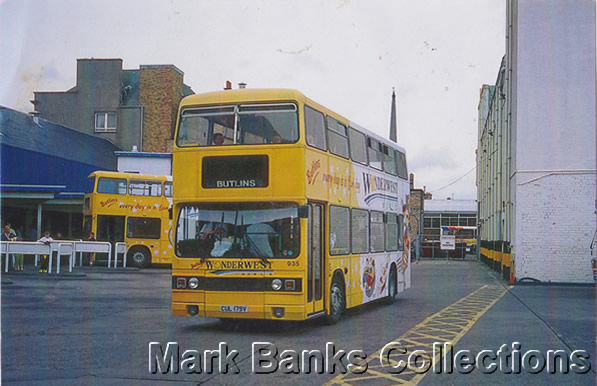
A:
<point x="448" y="243"/>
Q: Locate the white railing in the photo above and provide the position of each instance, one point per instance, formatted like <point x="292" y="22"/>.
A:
<point x="70" y="248"/>
<point x="93" y="247"/>
<point x="34" y="248"/>
<point x="120" y="248"/>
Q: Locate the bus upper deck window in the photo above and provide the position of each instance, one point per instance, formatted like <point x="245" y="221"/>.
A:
<point x="249" y="124"/>
<point x="111" y="185"/>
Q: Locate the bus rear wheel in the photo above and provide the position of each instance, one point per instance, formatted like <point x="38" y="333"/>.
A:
<point x="337" y="301"/>
<point x="139" y="257"/>
<point x="392" y="285"/>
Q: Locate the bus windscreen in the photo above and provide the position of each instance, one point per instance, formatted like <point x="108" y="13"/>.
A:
<point x="238" y="232"/>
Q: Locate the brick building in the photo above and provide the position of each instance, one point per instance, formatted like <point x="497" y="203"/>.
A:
<point x="134" y="109"/>
<point x="536" y="174"/>
<point x="416" y="206"/>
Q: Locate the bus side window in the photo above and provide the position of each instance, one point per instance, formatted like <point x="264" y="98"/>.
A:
<point x="358" y="146"/>
<point x="168" y="189"/>
<point x="375" y="154"/>
<point x="401" y="165"/>
<point x="337" y="138"/>
<point x="315" y="128"/>
<point x="389" y="164"/>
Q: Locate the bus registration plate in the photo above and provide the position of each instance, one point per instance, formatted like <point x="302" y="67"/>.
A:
<point x="234" y="309"/>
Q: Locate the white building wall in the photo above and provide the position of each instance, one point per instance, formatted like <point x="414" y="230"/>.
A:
<point x="555" y="85"/>
<point x="145" y="163"/>
<point x="555" y="226"/>
<point x="554" y="138"/>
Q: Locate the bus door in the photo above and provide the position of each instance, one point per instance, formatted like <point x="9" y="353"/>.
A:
<point x="109" y="228"/>
<point x="315" y="261"/>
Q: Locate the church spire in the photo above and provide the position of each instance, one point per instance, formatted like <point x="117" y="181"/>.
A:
<point x="393" y="125"/>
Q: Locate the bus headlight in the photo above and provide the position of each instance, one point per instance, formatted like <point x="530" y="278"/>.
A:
<point x="193" y="283"/>
<point x="276" y="284"/>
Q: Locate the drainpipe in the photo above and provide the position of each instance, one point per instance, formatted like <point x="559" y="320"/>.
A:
<point x="39" y="221"/>
<point x="142" y="111"/>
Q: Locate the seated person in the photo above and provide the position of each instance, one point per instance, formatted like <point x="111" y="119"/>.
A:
<point x="208" y="235"/>
<point x="218" y="139"/>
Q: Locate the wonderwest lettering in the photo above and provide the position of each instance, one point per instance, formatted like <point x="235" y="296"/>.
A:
<point x="232" y="265"/>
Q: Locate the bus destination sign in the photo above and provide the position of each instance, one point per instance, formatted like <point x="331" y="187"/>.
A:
<point x="234" y="172"/>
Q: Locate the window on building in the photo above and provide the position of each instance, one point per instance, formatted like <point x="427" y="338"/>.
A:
<point x="435" y="222"/>
<point x="105" y="122"/>
<point x="449" y="219"/>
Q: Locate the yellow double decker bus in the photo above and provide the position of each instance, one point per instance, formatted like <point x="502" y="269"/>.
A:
<point x="134" y="208"/>
<point x="283" y="209"/>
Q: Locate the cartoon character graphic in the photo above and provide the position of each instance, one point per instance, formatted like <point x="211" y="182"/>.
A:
<point x="383" y="279"/>
<point x="369" y="277"/>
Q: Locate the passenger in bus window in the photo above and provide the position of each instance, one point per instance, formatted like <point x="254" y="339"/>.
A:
<point x="208" y="235"/>
<point x="218" y="139"/>
<point x="276" y="138"/>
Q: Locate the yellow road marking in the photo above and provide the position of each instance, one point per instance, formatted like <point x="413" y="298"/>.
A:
<point x="447" y="325"/>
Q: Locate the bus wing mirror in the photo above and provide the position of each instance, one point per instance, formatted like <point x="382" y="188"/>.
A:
<point x="303" y="211"/>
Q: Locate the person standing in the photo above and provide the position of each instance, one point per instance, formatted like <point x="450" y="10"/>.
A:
<point x="18" y="257"/>
<point x="90" y="255"/>
<point x="9" y="235"/>
<point x="46" y="239"/>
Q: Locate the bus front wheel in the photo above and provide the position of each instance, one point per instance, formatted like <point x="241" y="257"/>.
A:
<point x="337" y="301"/>
<point x="139" y="257"/>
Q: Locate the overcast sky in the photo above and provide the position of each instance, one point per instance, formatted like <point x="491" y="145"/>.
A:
<point x="346" y="55"/>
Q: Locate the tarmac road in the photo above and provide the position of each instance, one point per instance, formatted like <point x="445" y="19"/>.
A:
<point x="96" y="329"/>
